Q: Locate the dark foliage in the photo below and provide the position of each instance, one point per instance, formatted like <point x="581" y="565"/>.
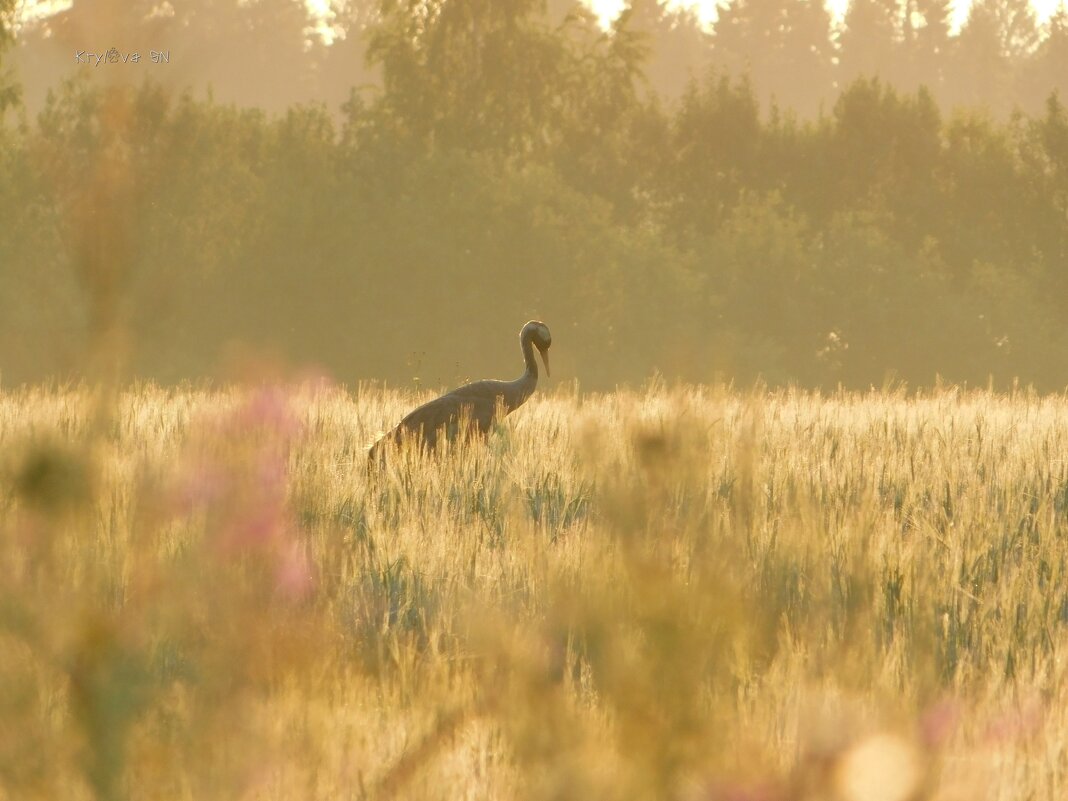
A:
<point x="517" y="163"/>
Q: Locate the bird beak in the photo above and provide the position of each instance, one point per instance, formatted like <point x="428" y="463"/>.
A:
<point x="545" y="359"/>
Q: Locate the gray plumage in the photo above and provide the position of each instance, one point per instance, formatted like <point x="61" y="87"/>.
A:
<point x="475" y="407"/>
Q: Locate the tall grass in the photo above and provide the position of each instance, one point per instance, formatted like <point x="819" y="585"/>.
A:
<point x="668" y="594"/>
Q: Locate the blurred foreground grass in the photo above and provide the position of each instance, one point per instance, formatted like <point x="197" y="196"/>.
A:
<point x="669" y="594"/>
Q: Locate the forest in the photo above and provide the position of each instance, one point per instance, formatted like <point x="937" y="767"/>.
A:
<point x="388" y="194"/>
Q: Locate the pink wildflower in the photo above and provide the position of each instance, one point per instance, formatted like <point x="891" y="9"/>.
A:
<point x="316" y="379"/>
<point x="268" y="408"/>
<point x="293" y="574"/>
<point x="197" y="485"/>
<point x="256" y="528"/>
<point x="938" y="722"/>
<point x="1021" y="721"/>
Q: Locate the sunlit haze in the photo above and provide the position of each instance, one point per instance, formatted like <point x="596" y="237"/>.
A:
<point x="291" y="505"/>
<point x="608" y="9"/>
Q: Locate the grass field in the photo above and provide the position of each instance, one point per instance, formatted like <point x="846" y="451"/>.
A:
<point x="667" y="594"/>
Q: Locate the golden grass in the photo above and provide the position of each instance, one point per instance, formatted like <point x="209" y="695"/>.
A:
<point x="668" y="594"/>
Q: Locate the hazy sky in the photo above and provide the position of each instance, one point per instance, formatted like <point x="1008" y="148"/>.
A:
<point x="707" y="8"/>
<point x="607" y="9"/>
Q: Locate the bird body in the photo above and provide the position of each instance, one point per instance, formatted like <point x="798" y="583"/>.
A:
<point x="473" y="408"/>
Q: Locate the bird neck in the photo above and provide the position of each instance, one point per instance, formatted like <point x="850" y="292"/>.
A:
<point x="528" y="358"/>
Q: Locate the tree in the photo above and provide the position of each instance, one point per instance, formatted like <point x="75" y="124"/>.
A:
<point x="997" y="41"/>
<point x="781" y="45"/>
<point x="979" y="72"/>
<point x="747" y="31"/>
<point x="1017" y="27"/>
<point x="1051" y="133"/>
<point x="1047" y="70"/>
<point x="257" y="53"/>
<point x="494" y="76"/>
<point x="867" y="45"/>
<point x="931" y="44"/>
<point x="989" y="199"/>
<point x="883" y="157"/>
<point x="609" y="138"/>
<point x="715" y="153"/>
<point x="345" y="65"/>
<point x="470" y="73"/>
<point x="679" y="48"/>
<point x="808" y="54"/>
<point x="8" y="89"/>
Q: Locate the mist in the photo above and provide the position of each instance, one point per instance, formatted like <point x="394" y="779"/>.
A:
<point x="389" y="192"/>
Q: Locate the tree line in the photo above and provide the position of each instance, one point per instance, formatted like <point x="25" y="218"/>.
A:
<point x="516" y="160"/>
<point x="274" y="53"/>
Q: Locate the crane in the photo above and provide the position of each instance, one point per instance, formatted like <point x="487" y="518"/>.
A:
<point x="473" y="408"/>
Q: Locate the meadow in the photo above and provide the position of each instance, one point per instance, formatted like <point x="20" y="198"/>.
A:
<point x="666" y="593"/>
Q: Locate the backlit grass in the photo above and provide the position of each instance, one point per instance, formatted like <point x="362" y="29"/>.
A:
<point x="666" y="594"/>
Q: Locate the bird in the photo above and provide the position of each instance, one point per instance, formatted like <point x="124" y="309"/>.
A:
<point x="472" y="409"/>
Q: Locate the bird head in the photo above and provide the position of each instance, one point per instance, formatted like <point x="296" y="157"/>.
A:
<point x="538" y="333"/>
